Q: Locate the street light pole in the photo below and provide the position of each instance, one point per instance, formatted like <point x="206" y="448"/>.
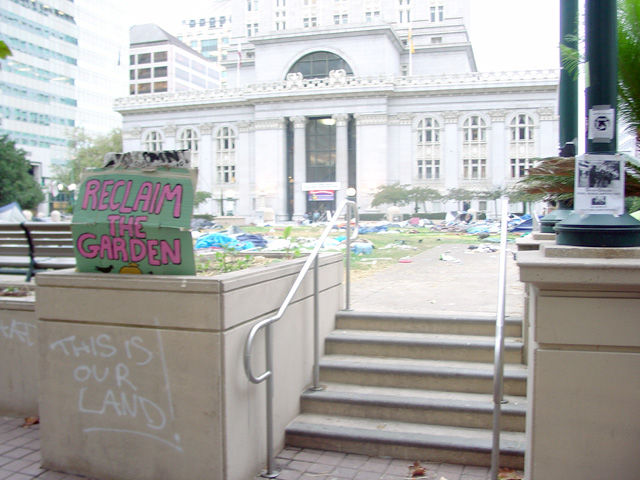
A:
<point x="601" y="52"/>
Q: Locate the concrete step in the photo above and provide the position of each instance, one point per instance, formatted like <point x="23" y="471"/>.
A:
<point x="448" y="376"/>
<point x="410" y="441"/>
<point x="436" y="346"/>
<point x="417" y="406"/>
<point x="452" y="324"/>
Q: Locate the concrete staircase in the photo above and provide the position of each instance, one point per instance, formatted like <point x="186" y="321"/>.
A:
<point x="416" y="388"/>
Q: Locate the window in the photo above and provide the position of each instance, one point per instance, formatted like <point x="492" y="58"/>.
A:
<point x="144" y="58"/>
<point x="194" y="44"/>
<point x="310" y="22"/>
<point x="338" y="19"/>
<point x="226" y="155"/>
<point x="404" y="11"/>
<point x="153" y="141"/>
<point x="132" y="59"/>
<point x="521" y="145"/>
<point x="252" y="5"/>
<point x="160" y="87"/>
<point x="159" y="72"/>
<point x="428" y="155"/>
<point x="132" y="74"/>
<point x="144" y="88"/>
<point x="436" y="39"/>
<point x="437" y="13"/>
<point x="144" y="73"/>
<point x="319" y="64"/>
<point x="160" y="57"/>
<point x="474" y="148"/>
<point x="321" y="149"/>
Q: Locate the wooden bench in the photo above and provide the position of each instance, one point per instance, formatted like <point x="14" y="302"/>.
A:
<point x="35" y="246"/>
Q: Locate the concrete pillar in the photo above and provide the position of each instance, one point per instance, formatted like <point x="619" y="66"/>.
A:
<point x="583" y="419"/>
<point x="342" y="155"/>
<point x="206" y="168"/>
<point x="299" y="166"/>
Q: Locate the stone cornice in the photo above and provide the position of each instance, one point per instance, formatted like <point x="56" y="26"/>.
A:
<point x="294" y="89"/>
<point x="401" y="119"/>
<point x="371" y="118"/>
<point x="546" y="113"/>
<point x="270" y="124"/>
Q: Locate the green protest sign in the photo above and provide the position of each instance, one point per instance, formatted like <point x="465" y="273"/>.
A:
<point x="135" y="221"/>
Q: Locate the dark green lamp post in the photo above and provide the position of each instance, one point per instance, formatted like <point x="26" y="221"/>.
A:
<point x="567" y="106"/>
<point x="601" y="52"/>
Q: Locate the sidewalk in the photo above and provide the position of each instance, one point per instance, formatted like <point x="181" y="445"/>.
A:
<point x="465" y="282"/>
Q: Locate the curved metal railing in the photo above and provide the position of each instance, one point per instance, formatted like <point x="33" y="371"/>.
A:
<point x="266" y="324"/>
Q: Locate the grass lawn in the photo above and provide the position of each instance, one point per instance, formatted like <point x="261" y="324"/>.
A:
<point x="389" y="247"/>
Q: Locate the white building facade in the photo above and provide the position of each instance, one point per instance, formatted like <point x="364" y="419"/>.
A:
<point x="381" y="96"/>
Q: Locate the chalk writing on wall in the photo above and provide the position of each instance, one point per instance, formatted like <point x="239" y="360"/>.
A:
<point x="122" y="385"/>
<point x="18" y="331"/>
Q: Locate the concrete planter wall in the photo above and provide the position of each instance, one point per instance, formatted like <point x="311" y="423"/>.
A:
<point x="142" y="377"/>
<point x="18" y="357"/>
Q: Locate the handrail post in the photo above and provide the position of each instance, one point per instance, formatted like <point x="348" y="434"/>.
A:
<point x="498" y="367"/>
<point x="271" y="471"/>
<point x="267" y="375"/>
<point x="347" y="300"/>
<point x="316" y="329"/>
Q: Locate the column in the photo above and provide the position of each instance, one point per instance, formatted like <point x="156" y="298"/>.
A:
<point x="245" y="171"/>
<point x="270" y="154"/>
<point x="451" y="146"/>
<point x="342" y="155"/>
<point x="371" y="155"/>
<point x="169" y="140"/>
<point x="299" y="166"/>
<point x="206" y="168"/>
<point x="497" y="161"/>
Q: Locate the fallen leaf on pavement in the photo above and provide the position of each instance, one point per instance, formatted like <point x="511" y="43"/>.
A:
<point x="417" y="470"/>
<point x="29" y="421"/>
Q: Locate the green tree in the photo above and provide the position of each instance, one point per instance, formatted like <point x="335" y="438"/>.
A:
<point x="86" y="151"/>
<point x="422" y="195"/>
<point x="394" y="194"/>
<point x="461" y="194"/>
<point x="16" y="182"/>
<point x="4" y="50"/>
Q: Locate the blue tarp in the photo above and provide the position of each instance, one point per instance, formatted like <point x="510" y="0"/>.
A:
<point x="221" y="241"/>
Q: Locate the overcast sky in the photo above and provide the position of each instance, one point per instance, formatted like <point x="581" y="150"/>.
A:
<point x="506" y="34"/>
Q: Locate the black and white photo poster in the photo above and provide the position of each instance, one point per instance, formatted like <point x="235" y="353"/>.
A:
<point x="599" y="184"/>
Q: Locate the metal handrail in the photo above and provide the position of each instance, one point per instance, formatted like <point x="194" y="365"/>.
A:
<point x="498" y="367"/>
<point x="267" y="375"/>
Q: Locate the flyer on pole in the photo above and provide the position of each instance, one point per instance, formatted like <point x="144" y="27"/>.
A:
<point x="599" y="184"/>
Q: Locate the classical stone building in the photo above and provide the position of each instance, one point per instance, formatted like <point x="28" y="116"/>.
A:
<point x="366" y="94"/>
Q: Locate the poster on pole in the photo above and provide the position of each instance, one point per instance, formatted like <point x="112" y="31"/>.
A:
<point x="135" y="220"/>
<point x="599" y="184"/>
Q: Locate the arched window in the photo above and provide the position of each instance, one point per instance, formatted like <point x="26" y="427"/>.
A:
<point x="153" y="141"/>
<point x="226" y="155"/>
<point x="474" y="148"/>
<point x="188" y="140"/>
<point x="428" y="155"/>
<point x="521" y="144"/>
<point x="319" y="64"/>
